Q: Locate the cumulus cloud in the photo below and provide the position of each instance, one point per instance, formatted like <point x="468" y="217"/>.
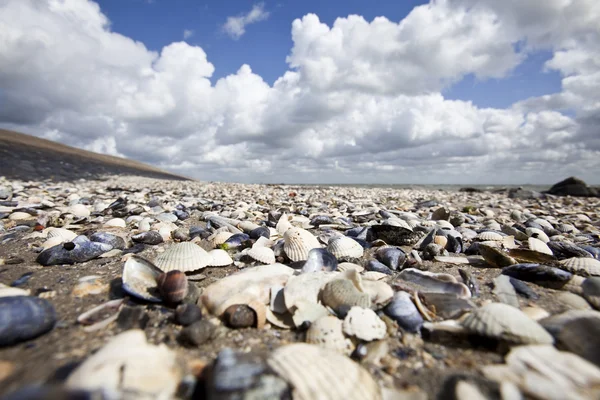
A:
<point x="235" y="27"/>
<point x="361" y="102"/>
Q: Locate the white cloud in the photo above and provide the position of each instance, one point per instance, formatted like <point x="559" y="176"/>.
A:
<point x="188" y="33"/>
<point x="361" y="102"/>
<point x="235" y="27"/>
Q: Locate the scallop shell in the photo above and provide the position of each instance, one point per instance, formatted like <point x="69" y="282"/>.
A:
<point x="219" y="258"/>
<point x="264" y="255"/>
<point x="584" y="266"/>
<point x="327" y="332"/>
<point x="65" y="234"/>
<point x="53" y="241"/>
<point x="318" y="373"/>
<point x="345" y="247"/>
<point x="298" y="242"/>
<point x="184" y="257"/>
<point x="501" y="321"/>
<point x="139" y="279"/>
<point x="489" y="236"/>
<point x="539" y="246"/>
<point x="341" y="293"/>
<point x="218" y="238"/>
<point x="345" y="266"/>
<point x="364" y="324"/>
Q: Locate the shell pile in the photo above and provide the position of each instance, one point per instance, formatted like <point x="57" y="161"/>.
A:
<point x="279" y="291"/>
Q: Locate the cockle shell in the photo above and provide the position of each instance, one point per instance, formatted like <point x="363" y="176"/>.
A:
<point x="219" y="258"/>
<point x="584" y="266"/>
<point x="283" y="224"/>
<point x="264" y="255"/>
<point x="327" y="332"/>
<point x="341" y="294"/>
<point x="539" y="246"/>
<point x="345" y="266"/>
<point x="345" y="247"/>
<point x="318" y="373"/>
<point x="364" y="324"/>
<point x="489" y="236"/>
<point x="298" y="242"/>
<point x="65" y="234"/>
<point x="184" y="257"/>
<point x="501" y="321"/>
<point x="219" y="237"/>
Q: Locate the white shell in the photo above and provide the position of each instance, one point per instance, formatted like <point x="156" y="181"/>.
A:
<point x="305" y="287"/>
<point x="79" y="210"/>
<point x="53" y="241"/>
<point x="489" y="236"/>
<point x="247" y="226"/>
<point x="283" y="224"/>
<point x="364" y="324"/>
<point x="584" y="266"/>
<point x="501" y="321"/>
<point x="185" y="257"/>
<point x="65" y="234"/>
<point x="345" y="247"/>
<point x="118" y="222"/>
<point x="537" y="234"/>
<point x="219" y="237"/>
<point x="318" y="373"/>
<point x="139" y="278"/>
<point x="121" y="366"/>
<point x="219" y="258"/>
<point x="298" y="242"/>
<point x="327" y="332"/>
<point x="375" y="276"/>
<point x="262" y="254"/>
<point x="345" y="266"/>
<point x="19" y="215"/>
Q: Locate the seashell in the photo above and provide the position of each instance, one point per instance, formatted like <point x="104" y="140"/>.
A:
<point x="539" y="274"/>
<point x="374" y="276"/>
<point x="496" y="257"/>
<point x="117" y="242"/>
<point x="345" y="266"/>
<point x="219" y="237"/>
<point x="445" y="305"/>
<point x="327" y="332"/>
<point x="185" y="257"/>
<point x="470" y="281"/>
<point x="8" y="291"/>
<point x="393" y="257"/>
<point x="186" y="314"/>
<point x="139" y="279"/>
<point x="149" y="237"/>
<point x="430" y="282"/>
<point x="341" y="294"/>
<point x="261" y="231"/>
<point x="24" y="318"/>
<point x="501" y="321"/>
<point x="591" y="291"/>
<point x="567" y="250"/>
<point x="116" y="222"/>
<point x="305" y="313"/>
<point x="539" y="246"/>
<point x="65" y="234"/>
<point x="535" y="313"/>
<point x="19" y="215"/>
<point x="51" y="242"/>
<point x="315" y="372"/>
<point x="235" y="241"/>
<point x="343" y="247"/>
<point x="364" y="324"/>
<point x="530" y="256"/>
<point x="319" y="260"/>
<point x="262" y="254"/>
<point x="489" y="236"/>
<point x="504" y="291"/>
<point x="396" y="235"/>
<point x="239" y="316"/>
<point x="298" y="242"/>
<point x="81" y="249"/>
<point x="305" y="287"/>
<point x="219" y="258"/>
<point x="283" y="321"/>
<point x="283" y="224"/>
<point x="249" y="226"/>
<point x="252" y="283"/>
<point x="402" y="310"/>
<point x="79" y="210"/>
<point x="583" y="266"/>
<point x="263" y="242"/>
<point x="380" y="293"/>
<point x="172" y="286"/>
<point x="581" y="336"/>
<point x="95" y="319"/>
<point x="121" y="367"/>
<point x="376" y="266"/>
<point x="536" y="233"/>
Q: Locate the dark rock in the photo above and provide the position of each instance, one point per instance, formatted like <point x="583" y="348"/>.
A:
<point x="572" y="187"/>
<point x="187" y="314"/>
<point x="524" y="194"/>
<point x="239" y="316"/>
<point x="197" y="333"/>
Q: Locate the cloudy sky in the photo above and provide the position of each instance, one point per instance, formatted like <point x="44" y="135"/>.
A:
<point x="337" y="91"/>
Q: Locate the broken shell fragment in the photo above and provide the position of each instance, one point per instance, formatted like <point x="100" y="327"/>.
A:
<point x="327" y="332"/>
<point x="364" y="324"/>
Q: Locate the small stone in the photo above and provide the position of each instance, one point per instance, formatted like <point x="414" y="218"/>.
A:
<point x="187" y="314"/>
<point x="239" y="316"/>
<point x="197" y="333"/>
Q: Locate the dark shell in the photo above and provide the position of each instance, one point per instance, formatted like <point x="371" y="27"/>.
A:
<point x="402" y="310"/>
<point x="487" y="389"/>
<point x="446" y="305"/>
<point x="591" y="291"/>
<point x="198" y="231"/>
<point x="181" y="215"/>
<point x="136" y="248"/>
<point x="564" y="250"/>
<point x="361" y="232"/>
<point x="522" y="289"/>
<point x="81" y="249"/>
<point x="115" y="241"/>
<point x="539" y="274"/>
<point x="260" y="231"/>
<point x="239" y="316"/>
<point x="22" y="279"/>
<point x="431" y="284"/>
<point x="428" y="239"/>
<point x="582" y="337"/>
<point x="470" y="281"/>
<point x="396" y="235"/>
<point x="24" y="318"/>
<point x="319" y="260"/>
<point x="321" y="220"/>
<point x="454" y="244"/>
<point x="150" y="237"/>
<point x="594" y="251"/>
<point x="374" y="265"/>
<point x="187" y="314"/>
<point x="197" y="333"/>
<point x="236" y="240"/>
<point x="173" y="286"/>
<point x="393" y="257"/>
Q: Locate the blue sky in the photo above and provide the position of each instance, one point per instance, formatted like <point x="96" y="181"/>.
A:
<point x="266" y="44"/>
<point x="446" y="91"/>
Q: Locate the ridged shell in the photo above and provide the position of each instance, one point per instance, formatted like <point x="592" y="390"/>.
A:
<point x="184" y="256"/>
<point x="584" y="266"/>
<point x="298" y="242"/>
<point x="539" y="246"/>
<point x="53" y="241"/>
<point x="305" y="287"/>
<point x="489" y="235"/>
<point x="318" y="373"/>
<point x="375" y="276"/>
<point x="219" y="258"/>
<point x="345" y="247"/>
<point x="364" y="324"/>
<point x="65" y="234"/>
<point x="264" y="255"/>
<point x="218" y="238"/>
<point x="342" y="293"/>
<point x="283" y="224"/>
<point x="327" y="332"/>
<point x="345" y="266"/>
<point x="501" y="321"/>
